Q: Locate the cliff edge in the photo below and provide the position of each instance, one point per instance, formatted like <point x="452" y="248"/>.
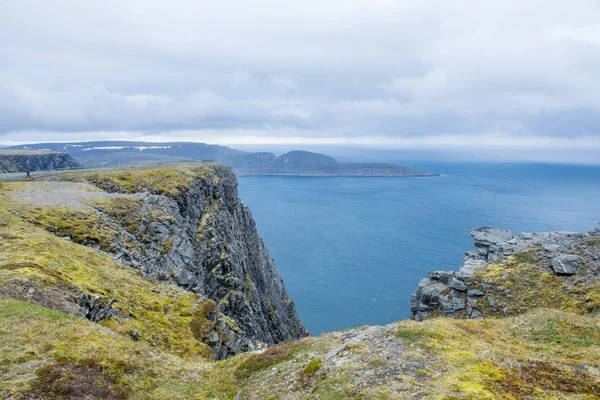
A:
<point x="179" y="225"/>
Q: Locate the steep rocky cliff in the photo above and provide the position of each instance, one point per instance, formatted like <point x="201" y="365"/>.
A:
<point x="508" y="275"/>
<point x="21" y="161"/>
<point x="186" y="225"/>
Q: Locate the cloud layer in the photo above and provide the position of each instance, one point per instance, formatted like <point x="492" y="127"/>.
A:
<point x="352" y="70"/>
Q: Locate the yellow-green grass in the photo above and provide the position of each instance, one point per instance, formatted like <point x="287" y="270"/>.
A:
<point x="519" y="284"/>
<point x="161" y="313"/>
<point x="169" y="180"/>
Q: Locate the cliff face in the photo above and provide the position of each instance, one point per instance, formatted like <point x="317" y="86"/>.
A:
<point x="509" y="275"/>
<point x="187" y="226"/>
<point x="17" y="161"/>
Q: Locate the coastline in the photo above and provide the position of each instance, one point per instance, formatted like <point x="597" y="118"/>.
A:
<point x="339" y="175"/>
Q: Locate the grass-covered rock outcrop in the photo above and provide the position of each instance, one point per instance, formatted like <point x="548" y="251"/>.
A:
<point x="54" y="272"/>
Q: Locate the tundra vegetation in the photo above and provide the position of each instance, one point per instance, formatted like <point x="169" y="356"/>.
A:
<point x="152" y="346"/>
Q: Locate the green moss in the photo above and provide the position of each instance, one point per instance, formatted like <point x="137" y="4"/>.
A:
<point x="312" y="367"/>
<point x="249" y="289"/>
<point x="167" y="246"/>
<point x="171" y="180"/>
<point x="414" y="332"/>
<point x="519" y="284"/>
<point x="124" y="210"/>
<point x="10" y="309"/>
<point x="200" y="326"/>
<point x="80" y="225"/>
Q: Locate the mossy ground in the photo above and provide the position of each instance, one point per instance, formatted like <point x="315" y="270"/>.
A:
<point x="541" y="353"/>
<point x="524" y="281"/>
<point x="169" y="180"/>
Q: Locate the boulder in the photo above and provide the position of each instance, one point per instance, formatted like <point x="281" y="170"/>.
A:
<point x="565" y="264"/>
<point x="486" y="236"/>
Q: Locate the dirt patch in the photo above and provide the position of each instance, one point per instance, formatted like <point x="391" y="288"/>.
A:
<point x="59" y="298"/>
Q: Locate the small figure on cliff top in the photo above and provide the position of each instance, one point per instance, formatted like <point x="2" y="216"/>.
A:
<point x="28" y="174"/>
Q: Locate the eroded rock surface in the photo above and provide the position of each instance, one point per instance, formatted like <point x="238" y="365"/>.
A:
<point x="454" y="293"/>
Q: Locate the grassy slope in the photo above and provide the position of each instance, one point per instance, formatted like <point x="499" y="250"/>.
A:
<point x="37" y="263"/>
<point x="544" y="353"/>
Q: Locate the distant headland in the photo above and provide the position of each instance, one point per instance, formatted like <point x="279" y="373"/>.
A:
<point x="298" y="163"/>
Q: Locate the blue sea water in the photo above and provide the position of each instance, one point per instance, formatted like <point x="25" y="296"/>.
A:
<point x="352" y="250"/>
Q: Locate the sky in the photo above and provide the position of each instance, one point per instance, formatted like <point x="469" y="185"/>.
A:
<point x="511" y="77"/>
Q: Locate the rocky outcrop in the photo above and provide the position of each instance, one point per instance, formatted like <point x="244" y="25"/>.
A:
<point x="456" y="293"/>
<point x="18" y="161"/>
<point x="95" y="309"/>
<point x="204" y="239"/>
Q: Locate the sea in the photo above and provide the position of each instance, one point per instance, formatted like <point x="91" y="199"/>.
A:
<point x="352" y="250"/>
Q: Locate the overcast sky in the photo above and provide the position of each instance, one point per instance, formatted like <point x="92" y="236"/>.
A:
<point x="377" y="73"/>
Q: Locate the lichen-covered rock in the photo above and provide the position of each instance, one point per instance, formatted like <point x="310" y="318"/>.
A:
<point x="565" y="264"/>
<point x="457" y="293"/>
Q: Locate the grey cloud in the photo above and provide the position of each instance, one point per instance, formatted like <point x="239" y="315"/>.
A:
<point x="338" y="68"/>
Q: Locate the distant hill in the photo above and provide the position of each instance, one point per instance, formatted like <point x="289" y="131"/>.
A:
<point x="116" y="153"/>
<point x="31" y="160"/>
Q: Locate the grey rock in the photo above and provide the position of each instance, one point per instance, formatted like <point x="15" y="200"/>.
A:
<point x="565" y="264"/>
<point x="458" y="303"/>
<point x="552" y="247"/>
<point x="458" y="284"/>
<point x="442" y="276"/>
<point x="486" y="236"/>
<point x="474" y="293"/>
<point x="469" y="266"/>
<point x="95" y="309"/>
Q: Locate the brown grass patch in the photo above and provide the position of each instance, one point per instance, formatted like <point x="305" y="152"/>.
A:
<point x="84" y="380"/>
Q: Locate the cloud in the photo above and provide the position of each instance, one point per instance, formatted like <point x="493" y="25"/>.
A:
<point x="352" y="70"/>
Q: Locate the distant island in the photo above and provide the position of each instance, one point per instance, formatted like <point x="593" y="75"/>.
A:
<point x="120" y="153"/>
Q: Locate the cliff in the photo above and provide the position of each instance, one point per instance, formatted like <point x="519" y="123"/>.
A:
<point x="22" y="161"/>
<point x="182" y="225"/>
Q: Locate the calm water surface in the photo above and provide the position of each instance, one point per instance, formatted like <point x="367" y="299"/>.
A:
<point x="352" y="250"/>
